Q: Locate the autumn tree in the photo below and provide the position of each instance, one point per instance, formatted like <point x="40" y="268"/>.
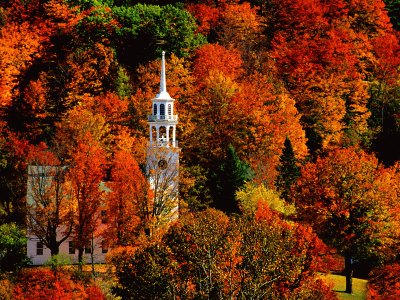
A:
<point x="85" y="174"/>
<point x="49" y="205"/>
<point x="15" y="59"/>
<point x="324" y="55"/>
<point x="214" y="107"/>
<point x="279" y="258"/>
<point x="251" y="196"/>
<point x="75" y="126"/>
<point x="349" y="200"/>
<point x="207" y="254"/>
<point x="127" y="202"/>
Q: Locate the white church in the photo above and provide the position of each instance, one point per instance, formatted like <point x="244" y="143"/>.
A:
<point x="162" y="171"/>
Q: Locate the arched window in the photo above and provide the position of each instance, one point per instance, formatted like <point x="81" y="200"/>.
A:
<point x="154" y="109"/>
<point x="162" y="109"/>
<point x="169" y="109"/>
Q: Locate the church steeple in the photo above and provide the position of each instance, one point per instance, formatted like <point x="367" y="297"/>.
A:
<point x="163" y="152"/>
<point x="162" y="121"/>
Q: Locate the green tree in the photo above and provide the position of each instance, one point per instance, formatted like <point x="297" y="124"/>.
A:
<point x="231" y="175"/>
<point x="393" y="8"/>
<point x="12" y="247"/>
<point x="144" y="273"/>
<point x="288" y="170"/>
<point x="147" y="30"/>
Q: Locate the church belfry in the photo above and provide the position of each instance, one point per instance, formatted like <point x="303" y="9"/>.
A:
<point x="163" y="152"/>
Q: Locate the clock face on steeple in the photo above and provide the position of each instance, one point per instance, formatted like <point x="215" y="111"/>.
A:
<point x="162" y="164"/>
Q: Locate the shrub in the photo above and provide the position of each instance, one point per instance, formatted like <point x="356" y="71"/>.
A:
<point x="6" y="289"/>
<point x="93" y="292"/>
<point x="384" y="283"/>
<point x="12" y="248"/>
<point x="43" y="284"/>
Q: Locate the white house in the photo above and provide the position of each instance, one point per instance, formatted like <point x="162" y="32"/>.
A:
<point x="41" y="188"/>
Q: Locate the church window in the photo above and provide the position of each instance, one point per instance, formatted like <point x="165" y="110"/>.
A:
<point x="169" y="109"/>
<point x="154" y="109"/>
<point x="162" y="109"/>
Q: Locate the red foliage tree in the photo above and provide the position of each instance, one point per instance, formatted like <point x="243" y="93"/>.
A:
<point x="85" y="175"/>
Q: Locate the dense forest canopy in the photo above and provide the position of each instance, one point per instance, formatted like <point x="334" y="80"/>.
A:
<point x="279" y="93"/>
<point x="248" y="74"/>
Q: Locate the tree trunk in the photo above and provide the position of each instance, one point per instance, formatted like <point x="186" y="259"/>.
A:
<point x="348" y="269"/>
<point x="54" y="246"/>
<point x="54" y="250"/>
<point x="80" y="259"/>
<point x="92" y="253"/>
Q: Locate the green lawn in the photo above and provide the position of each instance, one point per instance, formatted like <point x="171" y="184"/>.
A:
<point x="359" y="287"/>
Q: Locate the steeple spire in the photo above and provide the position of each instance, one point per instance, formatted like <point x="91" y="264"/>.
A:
<point x="163" y="82"/>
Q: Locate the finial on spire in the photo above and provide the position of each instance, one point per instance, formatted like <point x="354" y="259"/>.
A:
<point x="163" y="81"/>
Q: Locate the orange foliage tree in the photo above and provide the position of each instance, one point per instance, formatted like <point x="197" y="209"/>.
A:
<point x="349" y="200"/>
<point x="128" y="209"/>
<point x="85" y="175"/>
<point x="20" y="44"/>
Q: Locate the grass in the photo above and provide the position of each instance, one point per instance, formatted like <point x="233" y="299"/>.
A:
<point x="359" y="287"/>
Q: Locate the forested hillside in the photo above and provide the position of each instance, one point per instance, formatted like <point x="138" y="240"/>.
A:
<point x="289" y="115"/>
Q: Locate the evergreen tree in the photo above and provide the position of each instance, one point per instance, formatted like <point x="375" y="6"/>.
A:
<point x="288" y="170"/>
<point x="393" y="8"/>
<point x="231" y="175"/>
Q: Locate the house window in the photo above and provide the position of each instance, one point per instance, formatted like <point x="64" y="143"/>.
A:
<point x="71" y="247"/>
<point x="103" y="214"/>
<point x="154" y="109"/>
<point x="104" y="248"/>
<point x="39" y="248"/>
<point x="162" y="109"/>
<point x="169" y="109"/>
<point x="88" y="249"/>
